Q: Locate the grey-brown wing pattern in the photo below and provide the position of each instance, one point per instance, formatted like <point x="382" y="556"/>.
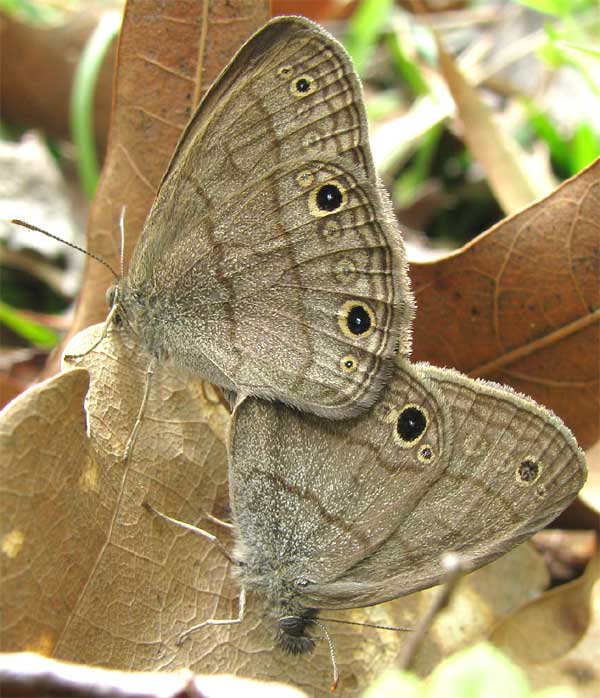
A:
<point x="512" y="469"/>
<point x="321" y="496"/>
<point x="271" y="243"/>
<point x="364" y="509"/>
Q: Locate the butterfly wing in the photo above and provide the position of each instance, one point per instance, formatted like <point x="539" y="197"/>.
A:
<point x="320" y="495"/>
<point x="271" y="245"/>
<point x="489" y="468"/>
<point x="512" y="469"/>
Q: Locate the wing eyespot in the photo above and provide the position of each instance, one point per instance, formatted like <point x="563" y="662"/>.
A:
<point x="305" y="178"/>
<point x="349" y="363"/>
<point x="345" y="271"/>
<point x="528" y="471"/>
<point x="327" y="199"/>
<point x="410" y="426"/>
<point x="356" y="320"/>
<point x="303" y="86"/>
<point x="426" y="454"/>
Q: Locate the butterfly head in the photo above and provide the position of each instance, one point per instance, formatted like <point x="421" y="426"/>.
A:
<point x="293" y="637"/>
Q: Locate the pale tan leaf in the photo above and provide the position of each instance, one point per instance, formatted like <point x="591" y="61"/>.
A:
<point x="506" y="165"/>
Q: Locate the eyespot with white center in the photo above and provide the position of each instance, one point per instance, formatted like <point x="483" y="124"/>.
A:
<point x="356" y="320"/>
<point x="327" y="198"/>
<point x="528" y="471"/>
<point x="411" y="425"/>
<point x="303" y="86"/>
<point x="349" y="363"/>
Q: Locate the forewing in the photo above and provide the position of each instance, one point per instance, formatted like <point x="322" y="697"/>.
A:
<point x="271" y="235"/>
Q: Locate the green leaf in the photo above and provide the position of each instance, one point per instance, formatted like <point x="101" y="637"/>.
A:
<point x="585" y="147"/>
<point x="478" y="672"/>
<point x="27" y="329"/>
<point x="558" y="8"/>
<point x="364" y="27"/>
<point x="393" y="684"/>
<point x="408" y="70"/>
<point x="82" y="98"/>
<point x="580" y="47"/>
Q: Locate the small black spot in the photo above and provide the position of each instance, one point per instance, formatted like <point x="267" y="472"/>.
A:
<point x="118" y="320"/>
<point x="286" y="70"/>
<point x="349" y="363"/>
<point x="358" y="320"/>
<point x="302" y="85"/>
<point x="329" y="197"/>
<point x="474" y="311"/>
<point x="426" y="453"/>
<point x="411" y="423"/>
<point x="528" y="470"/>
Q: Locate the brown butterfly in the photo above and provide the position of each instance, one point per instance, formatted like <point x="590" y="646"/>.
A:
<point x="270" y="262"/>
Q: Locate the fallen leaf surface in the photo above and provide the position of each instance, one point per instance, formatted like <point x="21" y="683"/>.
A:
<point x="521" y="304"/>
<point x="120" y="584"/>
<point x="168" y="55"/>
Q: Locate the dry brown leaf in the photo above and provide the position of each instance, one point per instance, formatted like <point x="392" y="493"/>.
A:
<point x="556" y="638"/>
<point x="150" y="581"/>
<point x="169" y="54"/>
<point x="521" y="304"/>
<point x="36" y="87"/>
<point x="506" y="165"/>
<point x="119" y="585"/>
<point x="566" y="609"/>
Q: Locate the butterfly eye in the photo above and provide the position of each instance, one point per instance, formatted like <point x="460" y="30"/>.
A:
<point x="111" y="294"/>
<point x="528" y="471"/>
<point x="410" y="427"/>
<point x="356" y="320"/>
<point x="118" y="320"/>
<point x="302" y="86"/>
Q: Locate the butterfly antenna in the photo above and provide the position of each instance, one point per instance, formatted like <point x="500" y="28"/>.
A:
<point x="16" y="221"/>
<point x="122" y="231"/>
<point x="336" y="676"/>
<point x="365" y="625"/>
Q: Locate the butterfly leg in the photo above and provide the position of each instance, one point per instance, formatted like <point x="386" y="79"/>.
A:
<point x="102" y="337"/>
<point x="138" y="421"/>
<point x="194" y="529"/>
<point x="214" y="621"/>
<point x="220" y="522"/>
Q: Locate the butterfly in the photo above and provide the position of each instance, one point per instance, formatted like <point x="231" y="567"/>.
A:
<point x="270" y="262"/>
<point x="345" y="514"/>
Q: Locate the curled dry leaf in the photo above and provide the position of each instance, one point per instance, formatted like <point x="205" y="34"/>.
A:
<point x="168" y="55"/>
<point x="521" y="304"/>
<point x="119" y="585"/>
<point x="568" y="654"/>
